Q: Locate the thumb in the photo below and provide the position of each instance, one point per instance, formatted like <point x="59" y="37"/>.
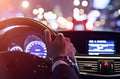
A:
<point x="48" y="38"/>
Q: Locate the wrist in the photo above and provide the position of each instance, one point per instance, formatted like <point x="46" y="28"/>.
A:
<point x="62" y="60"/>
<point x="66" y="59"/>
<point x="58" y="62"/>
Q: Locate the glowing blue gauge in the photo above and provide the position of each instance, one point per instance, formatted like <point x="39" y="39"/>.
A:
<point x="37" y="48"/>
<point x="15" y="48"/>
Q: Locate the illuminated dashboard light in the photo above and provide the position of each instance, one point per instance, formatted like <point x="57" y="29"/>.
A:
<point x="37" y="48"/>
<point x="16" y="48"/>
<point x="106" y="64"/>
<point x="84" y="3"/>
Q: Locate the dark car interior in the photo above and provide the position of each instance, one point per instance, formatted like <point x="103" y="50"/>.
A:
<point x="97" y="52"/>
<point x="93" y="27"/>
<point x="15" y="63"/>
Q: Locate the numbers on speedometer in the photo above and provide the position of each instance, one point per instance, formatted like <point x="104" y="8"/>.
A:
<point x="15" y="47"/>
<point x="36" y="46"/>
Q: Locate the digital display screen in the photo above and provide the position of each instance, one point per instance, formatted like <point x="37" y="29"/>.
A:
<point x="100" y="47"/>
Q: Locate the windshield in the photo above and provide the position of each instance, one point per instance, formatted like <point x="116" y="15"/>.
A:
<point x="66" y="15"/>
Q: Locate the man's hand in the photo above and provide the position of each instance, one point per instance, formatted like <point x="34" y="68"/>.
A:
<point x="60" y="46"/>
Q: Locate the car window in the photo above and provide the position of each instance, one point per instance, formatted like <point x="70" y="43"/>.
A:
<point x="67" y="15"/>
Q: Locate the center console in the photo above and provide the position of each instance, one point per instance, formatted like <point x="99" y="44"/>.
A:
<point x="98" y="53"/>
<point x="103" y="66"/>
<point x="101" y="59"/>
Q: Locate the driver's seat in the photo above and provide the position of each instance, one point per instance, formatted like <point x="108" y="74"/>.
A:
<point x="20" y="65"/>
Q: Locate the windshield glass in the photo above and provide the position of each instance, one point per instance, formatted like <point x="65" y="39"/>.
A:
<point x="66" y="15"/>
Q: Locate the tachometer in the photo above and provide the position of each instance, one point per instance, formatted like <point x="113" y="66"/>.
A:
<point x="15" y="48"/>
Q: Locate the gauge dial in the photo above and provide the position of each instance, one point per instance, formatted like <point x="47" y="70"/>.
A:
<point x="15" y="48"/>
<point x="37" y="48"/>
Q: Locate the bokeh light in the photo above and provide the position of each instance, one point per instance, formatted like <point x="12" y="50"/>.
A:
<point x="35" y="12"/>
<point x="84" y="3"/>
<point x="25" y="4"/>
<point x="89" y="26"/>
<point x="69" y="25"/>
<point x="40" y="10"/>
<point x="76" y="2"/>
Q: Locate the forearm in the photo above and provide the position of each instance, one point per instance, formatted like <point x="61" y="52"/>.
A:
<point x="62" y="70"/>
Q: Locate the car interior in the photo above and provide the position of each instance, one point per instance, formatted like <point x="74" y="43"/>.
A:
<point x="22" y="39"/>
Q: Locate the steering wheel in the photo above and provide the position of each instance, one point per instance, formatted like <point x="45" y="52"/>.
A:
<point x="20" y="65"/>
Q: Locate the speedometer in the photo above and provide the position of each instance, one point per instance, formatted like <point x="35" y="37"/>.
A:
<point x="37" y="48"/>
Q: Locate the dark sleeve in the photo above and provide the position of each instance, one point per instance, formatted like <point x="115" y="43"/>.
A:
<point x="63" y="71"/>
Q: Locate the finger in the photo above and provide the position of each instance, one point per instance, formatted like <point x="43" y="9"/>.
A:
<point x="67" y="39"/>
<point x="60" y="36"/>
<point x="48" y="38"/>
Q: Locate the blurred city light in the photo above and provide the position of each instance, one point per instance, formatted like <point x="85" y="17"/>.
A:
<point x="76" y="2"/>
<point x="81" y="11"/>
<point x="84" y="3"/>
<point x="76" y="10"/>
<point x="97" y="23"/>
<point x="35" y="12"/>
<point x="25" y="4"/>
<point x="119" y="11"/>
<point x="40" y="10"/>
<point x="79" y="27"/>
<point x="69" y="25"/>
<point x="118" y="23"/>
<point x="40" y="16"/>
<point x="98" y="13"/>
<point x="110" y="7"/>
<point x="53" y="26"/>
<point x="98" y="4"/>
<point x="89" y="26"/>
<point x="116" y="14"/>
<point x="19" y="15"/>
<point x="61" y="20"/>
<point x="93" y="15"/>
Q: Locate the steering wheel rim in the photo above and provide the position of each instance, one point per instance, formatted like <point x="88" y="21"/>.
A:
<point x="25" y="21"/>
<point x="31" y="23"/>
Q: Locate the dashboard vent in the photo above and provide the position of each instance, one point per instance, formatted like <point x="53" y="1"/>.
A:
<point x="117" y="67"/>
<point x="88" y="66"/>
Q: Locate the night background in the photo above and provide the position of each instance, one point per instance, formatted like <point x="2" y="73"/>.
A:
<point x="77" y="15"/>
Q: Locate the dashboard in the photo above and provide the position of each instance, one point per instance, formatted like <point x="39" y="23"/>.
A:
<point x="98" y="54"/>
<point x="32" y="44"/>
<point x="23" y="40"/>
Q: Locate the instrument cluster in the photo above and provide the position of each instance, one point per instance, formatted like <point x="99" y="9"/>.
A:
<point x="32" y="44"/>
